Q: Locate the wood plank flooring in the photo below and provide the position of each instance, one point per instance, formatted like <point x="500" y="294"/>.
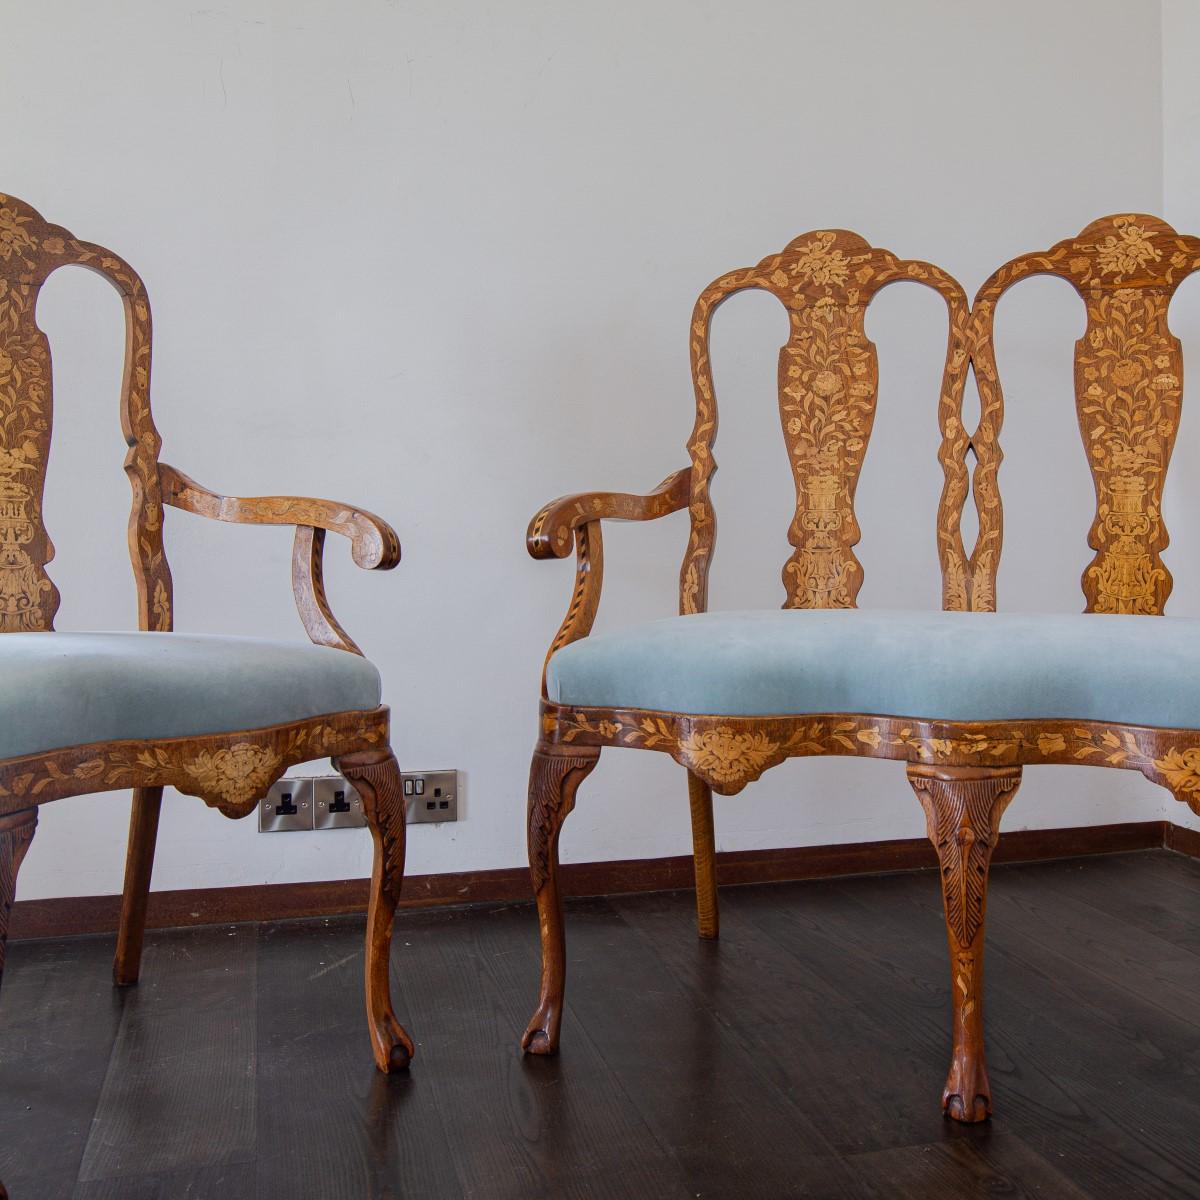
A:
<point x="801" y="1056"/>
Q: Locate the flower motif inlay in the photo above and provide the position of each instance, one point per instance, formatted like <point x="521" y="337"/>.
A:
<point x="727" y="756"/>
<point x="30" y="250"/>
<point x="827" y="394"/>
<point x="237" y="773"/>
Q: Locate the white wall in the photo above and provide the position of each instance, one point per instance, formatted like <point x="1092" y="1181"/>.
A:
<point x="438" y="257"/>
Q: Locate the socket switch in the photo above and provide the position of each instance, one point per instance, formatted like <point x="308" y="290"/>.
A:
<point x="430" y="796"/>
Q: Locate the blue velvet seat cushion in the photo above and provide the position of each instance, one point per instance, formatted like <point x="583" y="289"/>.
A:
<point x="927" y="665"/>
<point x="68" y="689"/>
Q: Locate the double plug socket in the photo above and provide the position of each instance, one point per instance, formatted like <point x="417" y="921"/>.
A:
<point x="331" y="802"/>
<point x="323" y="802"/>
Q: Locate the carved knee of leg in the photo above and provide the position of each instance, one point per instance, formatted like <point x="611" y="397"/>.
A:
<point x="16" y="832"/>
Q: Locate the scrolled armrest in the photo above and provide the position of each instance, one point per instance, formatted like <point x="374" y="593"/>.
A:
<point x="575" y="521"/>
<point x="373" y="542"/>
<point x="552" y="531"/>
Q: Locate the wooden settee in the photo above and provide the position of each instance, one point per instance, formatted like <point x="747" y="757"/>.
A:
<point x="965" y="697"/>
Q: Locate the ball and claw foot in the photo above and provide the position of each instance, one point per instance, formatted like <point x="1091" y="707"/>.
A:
<point x="393" y="1047"/>
<point x="970" y="1081"/>
<point x="541" y="1035"/>
<point x="955" y="1110"/>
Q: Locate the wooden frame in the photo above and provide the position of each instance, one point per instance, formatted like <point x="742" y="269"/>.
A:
<point x="229" y="771"/>
<point x="1128" y="381"/>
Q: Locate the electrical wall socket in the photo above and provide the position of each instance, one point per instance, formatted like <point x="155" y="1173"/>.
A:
<point x="430" y="796"/>
<point x="330" y="802"/>
<point x="287" y="806"/>
<point x="336" y="805"/>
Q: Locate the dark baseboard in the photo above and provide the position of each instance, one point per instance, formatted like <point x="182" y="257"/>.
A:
<point x="272" y="902"/>
<point x="1182" y="840"/>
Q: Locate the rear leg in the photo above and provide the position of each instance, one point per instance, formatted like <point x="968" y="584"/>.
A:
<point x="139" y="863"/>
<point x="704" y="857"/>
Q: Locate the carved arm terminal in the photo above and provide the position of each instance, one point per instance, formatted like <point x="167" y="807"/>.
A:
<point x="576" y="519"/>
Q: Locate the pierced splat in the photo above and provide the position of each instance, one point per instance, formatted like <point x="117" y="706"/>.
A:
<point x="828" y="381"/>
<point x="1128" y="388"/>
<point x="31" y="249"/>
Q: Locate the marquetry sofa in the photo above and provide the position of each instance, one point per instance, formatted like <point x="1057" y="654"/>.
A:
<point x="966" y="696"/>
<point x="220" y="718"/>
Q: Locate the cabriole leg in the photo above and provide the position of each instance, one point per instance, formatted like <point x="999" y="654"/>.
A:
<point x="963" y="807"/>
<point x="376" y="776"/>
<point x="139" y="863"/>
<point x="554" y="778"/>
<point x="704" y="856"/>
<point x="16" y="832"/>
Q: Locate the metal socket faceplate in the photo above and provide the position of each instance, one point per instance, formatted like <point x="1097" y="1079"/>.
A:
<point x="336" y="805"/>
<point x="287" y="808"/>
<point x="430" y="796"/>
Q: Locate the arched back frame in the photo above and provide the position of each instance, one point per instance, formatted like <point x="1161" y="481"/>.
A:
<point x="828" y="386"/>
<point x="31" y="249"/>
<point x="1128" y="390"/>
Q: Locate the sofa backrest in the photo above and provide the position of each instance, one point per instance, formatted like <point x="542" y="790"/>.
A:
<point x="1128" y="389"/>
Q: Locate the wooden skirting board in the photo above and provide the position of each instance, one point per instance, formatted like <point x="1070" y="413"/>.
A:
<point x="271" y="902"/>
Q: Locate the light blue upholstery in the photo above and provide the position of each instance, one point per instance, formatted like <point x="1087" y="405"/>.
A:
<point x="927" y="665"/>
<point x="67" y="689"/>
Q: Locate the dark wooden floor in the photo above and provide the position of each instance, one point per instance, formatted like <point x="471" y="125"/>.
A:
<point x="803" y="1055"/>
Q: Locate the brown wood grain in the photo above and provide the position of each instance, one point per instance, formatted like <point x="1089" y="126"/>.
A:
<point x="139" y="866"/>
<point x="708" y="917"/>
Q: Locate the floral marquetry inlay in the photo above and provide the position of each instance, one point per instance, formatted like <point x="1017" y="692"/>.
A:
<point x="229" y="771"/>
<point x="730" y="752"/>
<point x="243" y="770"/>
<point x="725" y="755"/>
<point x="31" y="250"/>
<point x="1128" y="390"/>
<point x="828" y="380"/>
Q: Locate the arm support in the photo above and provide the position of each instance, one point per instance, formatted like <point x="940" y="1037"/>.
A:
<point x="373" y="542"/>
<point x="552" y="531"/>
<point x="577" y="519"/>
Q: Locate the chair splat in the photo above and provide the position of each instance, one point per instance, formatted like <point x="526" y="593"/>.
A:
<point x="31" y="249"/>
<point x="828" y="384"/>
<point x="1128" y="390"/>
